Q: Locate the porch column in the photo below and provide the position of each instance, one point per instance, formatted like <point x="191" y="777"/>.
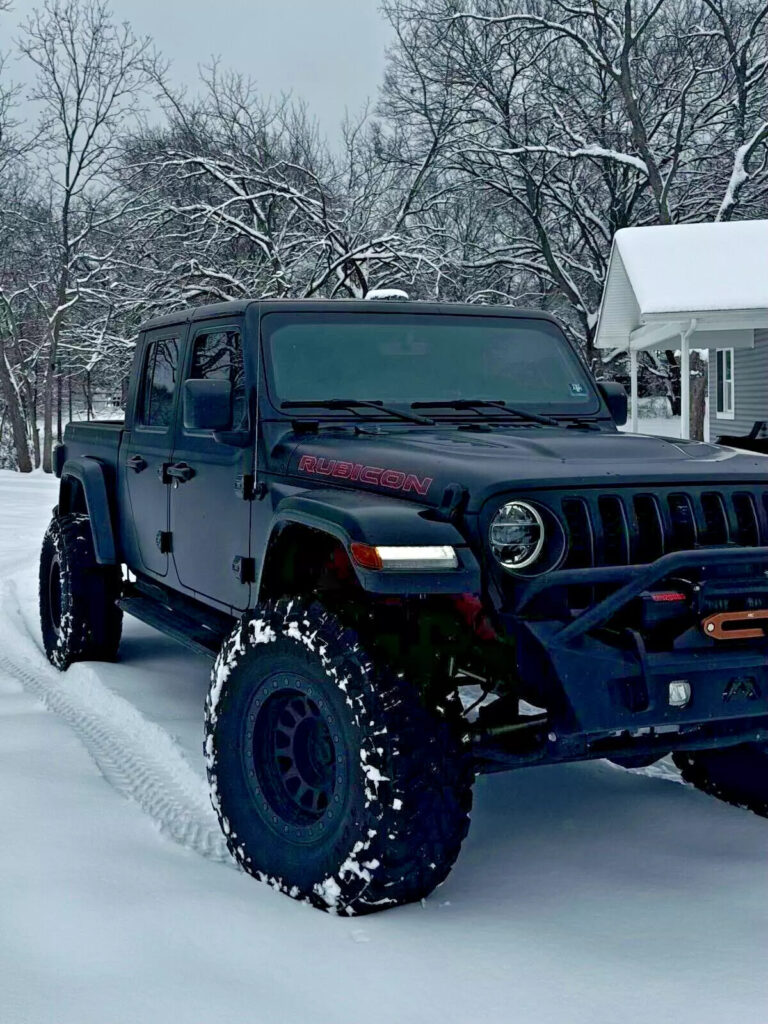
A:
<point x="685" y="385"/>
<point x="633" y="388"/>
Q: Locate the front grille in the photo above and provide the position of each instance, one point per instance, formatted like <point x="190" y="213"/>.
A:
<point x="626" y="527"/>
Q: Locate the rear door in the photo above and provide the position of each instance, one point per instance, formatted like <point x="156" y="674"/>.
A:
<point x="210" y="513"/>
<point x="147" y="448"/>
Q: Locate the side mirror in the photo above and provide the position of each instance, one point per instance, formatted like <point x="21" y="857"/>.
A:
<point x="207" y="405"/>
<point x="615" y="396"/>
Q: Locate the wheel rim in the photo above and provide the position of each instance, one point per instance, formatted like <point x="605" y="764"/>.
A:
<point x="292" y="758"/>
<point x="54" y="595"/>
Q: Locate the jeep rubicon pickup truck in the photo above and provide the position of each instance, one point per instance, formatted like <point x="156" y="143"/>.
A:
<point x="418" y="549"/>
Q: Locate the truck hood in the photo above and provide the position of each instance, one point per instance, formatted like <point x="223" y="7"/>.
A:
<point x="420" y="464"/>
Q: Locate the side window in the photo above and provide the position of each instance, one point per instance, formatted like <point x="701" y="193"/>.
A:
<point x="161" y="374"/>
<point x="219" y="356"/>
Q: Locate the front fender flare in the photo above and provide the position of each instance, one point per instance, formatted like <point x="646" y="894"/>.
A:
<point x="90" y="474"/>
<point x="355" y="517"/>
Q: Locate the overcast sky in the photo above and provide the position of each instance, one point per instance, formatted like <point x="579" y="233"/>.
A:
<point x="328" y="52"/>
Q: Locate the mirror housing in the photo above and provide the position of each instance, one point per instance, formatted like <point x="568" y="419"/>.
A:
<point x="615" y="396"/>
<point x="208" y="405"/>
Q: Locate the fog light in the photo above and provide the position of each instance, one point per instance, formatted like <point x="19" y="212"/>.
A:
<point x="679" y="693"/>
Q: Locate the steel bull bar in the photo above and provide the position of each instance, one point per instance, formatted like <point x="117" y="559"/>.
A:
<point x="602" y="686"/>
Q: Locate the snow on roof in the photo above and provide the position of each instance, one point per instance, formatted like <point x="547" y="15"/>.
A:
<point x="684" y="267"/>
<point x="718" y="271"/>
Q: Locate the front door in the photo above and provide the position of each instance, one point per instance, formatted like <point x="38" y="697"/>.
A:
<point x="147" y="449"/>
<point x="210" y="514"/>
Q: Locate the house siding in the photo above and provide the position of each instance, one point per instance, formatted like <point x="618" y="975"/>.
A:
<point x="619" y="311"/>
<point x="750" y="389"/>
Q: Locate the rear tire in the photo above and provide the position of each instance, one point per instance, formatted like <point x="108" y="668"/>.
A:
<point x="79" y="617"/>
<point x="737" y="775"/>
<point x="331" y="780"/>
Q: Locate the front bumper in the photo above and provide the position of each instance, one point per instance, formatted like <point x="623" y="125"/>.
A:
<point x="602" y="680"/>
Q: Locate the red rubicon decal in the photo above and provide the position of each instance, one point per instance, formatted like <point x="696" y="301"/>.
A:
<point x="394" y="479"/>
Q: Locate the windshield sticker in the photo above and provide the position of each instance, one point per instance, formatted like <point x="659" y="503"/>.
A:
<point x="577" y="388"/>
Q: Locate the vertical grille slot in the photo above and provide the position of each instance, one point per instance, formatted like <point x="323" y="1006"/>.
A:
<point x="615" y="530"/>
<point x="650" y="540"/>
<point x="581" y="547"/>
<point x="747" y="525"/>
<point x="715" y="519"/>
<point x="684" y="532"/>
<point x="580" y="539"/>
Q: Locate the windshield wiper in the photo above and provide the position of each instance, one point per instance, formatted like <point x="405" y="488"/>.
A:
<point x="352" y="404"/>
<point x="481" y="403"/>
<point x="581" y="423"/>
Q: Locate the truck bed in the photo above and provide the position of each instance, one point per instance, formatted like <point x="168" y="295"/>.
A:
<point x="98" y="438"/>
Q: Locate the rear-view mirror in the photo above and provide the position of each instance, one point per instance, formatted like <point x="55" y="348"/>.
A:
<point x="615" y="396"/>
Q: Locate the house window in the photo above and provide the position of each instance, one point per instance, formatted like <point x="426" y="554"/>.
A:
<point x="724" y="381"/>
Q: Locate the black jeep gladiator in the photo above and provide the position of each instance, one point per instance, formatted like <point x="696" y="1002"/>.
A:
<point x="419" y="549"/>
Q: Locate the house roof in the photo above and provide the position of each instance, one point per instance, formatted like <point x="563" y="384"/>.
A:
<point x="662" y="278"/>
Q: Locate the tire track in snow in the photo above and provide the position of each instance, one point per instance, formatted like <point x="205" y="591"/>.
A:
<point x="136" y="756"/>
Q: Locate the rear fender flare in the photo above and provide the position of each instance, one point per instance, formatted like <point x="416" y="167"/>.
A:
<point x="90" y="475"/>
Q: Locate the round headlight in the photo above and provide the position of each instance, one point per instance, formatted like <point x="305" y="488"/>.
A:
<point x="517" y="535"/>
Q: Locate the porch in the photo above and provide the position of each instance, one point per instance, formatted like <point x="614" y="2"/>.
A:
<point x="687" y="287"/>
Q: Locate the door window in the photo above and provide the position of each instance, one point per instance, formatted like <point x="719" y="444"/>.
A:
<point x="161" y="375"/>
<point x="218" y="355"/>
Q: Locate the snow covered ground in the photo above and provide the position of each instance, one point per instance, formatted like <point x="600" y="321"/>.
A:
<point x="584" y="895"/>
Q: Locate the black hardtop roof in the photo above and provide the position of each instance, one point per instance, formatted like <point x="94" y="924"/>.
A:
<point x="238" y="307"/>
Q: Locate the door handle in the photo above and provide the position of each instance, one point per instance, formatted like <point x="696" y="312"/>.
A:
<point x="181" y="472"/>
<point x="136" y="463"/>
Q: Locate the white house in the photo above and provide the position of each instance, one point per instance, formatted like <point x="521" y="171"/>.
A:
<point x="701" y="286"/>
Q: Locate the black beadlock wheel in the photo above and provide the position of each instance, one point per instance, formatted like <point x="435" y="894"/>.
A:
<point x="79" y="617"/>
<point x="331" y="780"/>
<point x="736" y="775"/>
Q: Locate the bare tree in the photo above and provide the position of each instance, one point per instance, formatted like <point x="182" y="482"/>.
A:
<point x="11" y="190"/>
<point x="512" y="139"/>
<point x="253" y="202"/>
<point x="576" y="119"/>
<point x="741" y="32"/>
<point x="91" y="75"/>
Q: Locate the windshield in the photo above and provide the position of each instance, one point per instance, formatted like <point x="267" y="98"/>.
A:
<point x="417" y="357"/>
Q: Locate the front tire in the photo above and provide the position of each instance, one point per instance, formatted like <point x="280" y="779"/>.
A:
<point x="79" y="617"/>
<point x="331" y="780"/>
<point x="736" y="775"/>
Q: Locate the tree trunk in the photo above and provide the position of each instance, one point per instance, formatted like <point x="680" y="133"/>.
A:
<point x="698" y="395"/>
<point x="35" y="430"/>
<point x="16" y="417"/>
<point x="58" y="406"/>
<point x="50" y="376"/>
<point x="674" y="382"/>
